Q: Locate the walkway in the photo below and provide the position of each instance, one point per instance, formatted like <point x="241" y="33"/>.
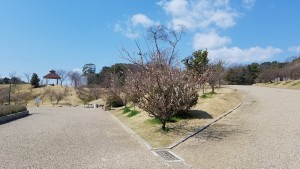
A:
<point x="263" y="133"/>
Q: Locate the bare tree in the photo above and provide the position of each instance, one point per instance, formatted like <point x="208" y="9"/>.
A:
<point x="216" y="71"/>
<point x="76" y="79"/>
<point x="28" y="76"/>
<point x="56" y="94"/>
<point x="21" y="97"/>
<point x="12" y="74"/>
<point x="63" y="74"/>
<point x="159" y="86"/>
<point x="14" y="79"/>
<point x="268" y="75"/>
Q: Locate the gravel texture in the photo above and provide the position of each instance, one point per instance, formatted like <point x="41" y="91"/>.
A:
<point x="263" y="133"/>
<point x="67" y="137"/>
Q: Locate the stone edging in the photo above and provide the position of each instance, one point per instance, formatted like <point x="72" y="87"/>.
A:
<point x="11" y="117"/>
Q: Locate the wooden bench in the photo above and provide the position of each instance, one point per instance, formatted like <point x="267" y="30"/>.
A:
<point x="93" y="106"/>
<point x="89" y="105"/>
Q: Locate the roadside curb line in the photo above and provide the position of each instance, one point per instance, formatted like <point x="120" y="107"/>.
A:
<point x="12" y="117"/>
<point x="129" y="130"/>
<point x="205" y="126"/>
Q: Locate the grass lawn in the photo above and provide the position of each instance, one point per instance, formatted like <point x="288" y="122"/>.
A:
<point x="209" y="106"/>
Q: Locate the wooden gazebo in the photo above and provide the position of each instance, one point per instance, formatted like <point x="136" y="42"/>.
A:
<point x="52" y="75"/>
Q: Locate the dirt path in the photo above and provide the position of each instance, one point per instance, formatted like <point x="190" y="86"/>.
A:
<point x="71" y="138"/>
<point x="263" y="133"/>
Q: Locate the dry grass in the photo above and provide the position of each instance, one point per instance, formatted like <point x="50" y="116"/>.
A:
<point x="206" y="109"/>
<point x="71" y="98"/>
<point x="291" y="84"/>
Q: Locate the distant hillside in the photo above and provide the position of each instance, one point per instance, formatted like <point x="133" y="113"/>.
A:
<point x="291" y="84"/>
<point x="26" y="90"/>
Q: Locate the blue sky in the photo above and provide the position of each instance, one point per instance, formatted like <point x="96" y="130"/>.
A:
<point x="40" y="35"/>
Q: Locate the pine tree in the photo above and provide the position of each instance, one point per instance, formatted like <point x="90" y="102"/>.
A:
<point x="35" y="80"/>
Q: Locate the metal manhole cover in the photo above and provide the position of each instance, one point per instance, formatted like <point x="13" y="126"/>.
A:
<point x="166" y="155"/>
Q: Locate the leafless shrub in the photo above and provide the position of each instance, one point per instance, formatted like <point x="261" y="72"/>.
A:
<point x="159" y="86"/>
<point x="63" y="75"/>
<point x="55" y="95"/>
<point x="21" y="97"/>
<point x="77" y="80"/>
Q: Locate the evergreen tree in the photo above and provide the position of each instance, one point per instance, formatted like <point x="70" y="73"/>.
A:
<point x="198" y="62"/>
<point x="35" y="80"/>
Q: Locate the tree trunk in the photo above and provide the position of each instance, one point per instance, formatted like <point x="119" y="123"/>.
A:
<point x="163" y="127"/>
<point x="213" y="88"/>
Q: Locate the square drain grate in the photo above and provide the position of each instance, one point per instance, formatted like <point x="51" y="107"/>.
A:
<point x="166" y="155"/>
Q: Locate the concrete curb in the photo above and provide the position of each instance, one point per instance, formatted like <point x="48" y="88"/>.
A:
<point x="11" y="117"/>
<point x="129" y="130"/>
<point x="205" y="126"/>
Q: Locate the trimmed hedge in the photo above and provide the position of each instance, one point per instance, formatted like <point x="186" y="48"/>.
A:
<point x="11" y="109"/>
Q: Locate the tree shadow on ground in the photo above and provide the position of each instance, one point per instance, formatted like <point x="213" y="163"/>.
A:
<point x="295" y="84"/>
<point x="194" y="114"/>
<point x="218" y="132"/>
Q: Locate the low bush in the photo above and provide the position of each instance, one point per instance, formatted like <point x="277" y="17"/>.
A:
<point x="11" y="109"/>
<point x="132" y="113"/>
<point x="115" y="101"/>
<point x="208" y="95"/>
<point x="126" y="109"/>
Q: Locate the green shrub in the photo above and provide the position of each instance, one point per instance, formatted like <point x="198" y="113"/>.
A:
<point x="153" y="121"/>
<point x="115" y="101"/>
<point x="132" y="113"/>
<point x="204" y="96"/>
<point x="11" y="109"/>
<point x="208" y="95"/>
<point x="126" y="109"/>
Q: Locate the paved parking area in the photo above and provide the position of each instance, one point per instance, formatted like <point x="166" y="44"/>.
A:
<point x="67" y="137"/>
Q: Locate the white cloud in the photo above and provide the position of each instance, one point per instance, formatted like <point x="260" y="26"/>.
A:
<point x="210" y="41"/>
<point x="125" y="30"/>
<point x="218" y="49"/>
<point x="141" y="19"/>
<point x="130" y="27"/>
<point x="205" y="17"/>
<point x="223" y="19"/>
<point x="294" y="49"/>
<point x="175" y="8"/>
<point x="200" y="13"/>
<point x="237" y="55"/>
<point x="77" y="70"/>
<point x="248" y="3"/>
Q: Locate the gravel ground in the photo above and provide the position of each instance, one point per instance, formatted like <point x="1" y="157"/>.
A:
<point x="69" y="137"/>
<point x="263" y="133"/>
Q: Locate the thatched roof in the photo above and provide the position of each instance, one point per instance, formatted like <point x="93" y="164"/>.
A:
<point x="52" y="75"/>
